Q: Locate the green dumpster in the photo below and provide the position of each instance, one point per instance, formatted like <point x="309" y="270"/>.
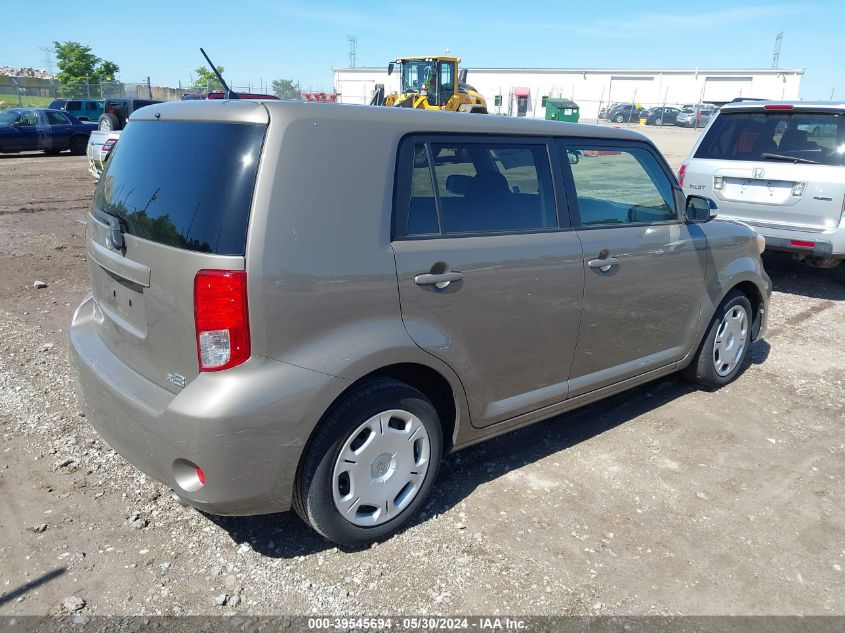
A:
<point x="562" y="110"/>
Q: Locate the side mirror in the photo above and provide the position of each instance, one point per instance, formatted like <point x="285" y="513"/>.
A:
<point x="700" y="209"/>
<point x="390" y="68"/>
<point x="574" y="157"/>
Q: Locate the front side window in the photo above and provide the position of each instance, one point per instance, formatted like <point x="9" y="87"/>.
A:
<point x="618" y="185"/>
<point x="416" y="75"/>
<point x="479" y="188"/>
<point x="28" y="119"/>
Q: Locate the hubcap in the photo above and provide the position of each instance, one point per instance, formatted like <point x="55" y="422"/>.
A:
<point x="730" y="342"/>
<point x="381" y="468"/>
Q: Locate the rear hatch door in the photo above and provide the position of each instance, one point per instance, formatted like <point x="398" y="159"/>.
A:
<point x="174" y="199"/>
<point x="783" y="168"/>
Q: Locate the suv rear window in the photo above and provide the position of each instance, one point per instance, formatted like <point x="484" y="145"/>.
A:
<point x="183" y="184"/>
<point x="817" y="137"/>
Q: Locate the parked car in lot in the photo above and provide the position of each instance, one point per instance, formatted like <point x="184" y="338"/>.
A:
<point x="100" y="145"/>
<point x="780" y="168"/>
<point x="53" y="131"/>
<point x="695" y="116"/>
<point x="244" y="341"/>
<point x="82" y="109"/>
<point x="663" y="115"/>
<point x="604" y="113"/>
<point x="628" y="113"/>
<point x="118" y="111"/>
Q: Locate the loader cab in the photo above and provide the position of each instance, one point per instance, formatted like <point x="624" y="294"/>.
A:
<point x="434" y="77"/>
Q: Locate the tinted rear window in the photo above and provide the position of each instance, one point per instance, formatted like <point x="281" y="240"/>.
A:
<point x="183" y="184"/>
<point x="814" y="136"/>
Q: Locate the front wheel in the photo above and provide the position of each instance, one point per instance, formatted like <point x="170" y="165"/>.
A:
<point x="722" y="354"/>
<point x="371" y="465"/>
<point x="78" y="144"/>
<point x="658" y="121"/>
<point x="619" y="118"/>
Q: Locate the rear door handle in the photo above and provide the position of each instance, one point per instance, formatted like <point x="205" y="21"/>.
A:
<point x="441" y="280"/>
<point x="603" y="264"/>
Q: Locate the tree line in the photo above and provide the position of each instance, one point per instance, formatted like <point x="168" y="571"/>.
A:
<point x="78" y="64"/>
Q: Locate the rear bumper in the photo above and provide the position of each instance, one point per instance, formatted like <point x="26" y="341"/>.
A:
<point x="811" y="241"/>
<point x="810" y="247"/>
<point x="245" y="427"/>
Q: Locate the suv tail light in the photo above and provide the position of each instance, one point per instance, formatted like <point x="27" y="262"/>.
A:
<point x="778" y="106"/>
<point x="221" y="317"/>
<point x="682" y="172"/>
<point x="107" y="146"/>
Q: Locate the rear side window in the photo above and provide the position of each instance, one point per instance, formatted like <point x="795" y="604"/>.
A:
<point x="776" y="135"/>
<point x="183" y="184"/>
<point x="476" y="187"/>
<point x="57" y="118"/>
<point x="73" y="105"/>
<point x="618" y="185"/>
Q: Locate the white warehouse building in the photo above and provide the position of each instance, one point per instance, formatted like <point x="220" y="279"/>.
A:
<point x="522" y="90"/>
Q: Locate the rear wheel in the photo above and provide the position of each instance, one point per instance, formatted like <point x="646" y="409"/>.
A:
<point x="371" y="464"/>
<point x="108" y="122"/>
<point x="78" y="145"/>
<point x="722" y="354"/>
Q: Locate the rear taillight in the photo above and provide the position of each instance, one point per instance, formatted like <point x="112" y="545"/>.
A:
<point x="718" y="182"/>
<point x="778" y="106"/>
<point x="682" y="172"/>
<point x="221" y="317"/>
<point x="107" y="146"/>
<point x="801" y="244"/>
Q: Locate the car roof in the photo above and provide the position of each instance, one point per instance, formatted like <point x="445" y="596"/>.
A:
<point x="758" y="106"/>
<point x="409" y="120"/>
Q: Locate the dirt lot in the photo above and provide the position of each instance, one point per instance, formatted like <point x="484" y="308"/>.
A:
<point x="664" y="500"/>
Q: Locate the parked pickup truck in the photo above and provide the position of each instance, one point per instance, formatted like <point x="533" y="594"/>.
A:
<point x="100" y="145"/>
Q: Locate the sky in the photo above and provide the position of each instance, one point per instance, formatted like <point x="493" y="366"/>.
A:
<point x="260" y="40"/>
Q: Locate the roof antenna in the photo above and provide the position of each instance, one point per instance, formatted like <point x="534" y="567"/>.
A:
<point x="229" y="94"/>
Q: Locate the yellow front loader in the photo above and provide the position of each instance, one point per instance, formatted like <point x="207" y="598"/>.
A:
<point x="430" y="83"/>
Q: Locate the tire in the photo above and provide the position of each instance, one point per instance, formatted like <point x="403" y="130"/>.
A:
<point x="78" y="145"/>
<point x="618" y="118"/>
<point x="723" y="353"/>
<point x="658" y="121"/>
<point x="325" y="482"/>
<point x="108" y="122"/>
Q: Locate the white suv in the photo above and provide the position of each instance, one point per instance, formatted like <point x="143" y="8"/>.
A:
<point x="779" y="167"/>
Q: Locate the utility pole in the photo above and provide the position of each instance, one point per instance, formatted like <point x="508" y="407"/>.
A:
<point x="48" y="58"/>
<point x="776" y="55"/>
<point x="149" y="89"/>
<point x="353" y="50"/>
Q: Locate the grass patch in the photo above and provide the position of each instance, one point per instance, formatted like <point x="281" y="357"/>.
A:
<point x="26" y="101"/>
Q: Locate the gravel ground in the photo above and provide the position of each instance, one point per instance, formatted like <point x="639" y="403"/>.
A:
<point x="664" y="500"/>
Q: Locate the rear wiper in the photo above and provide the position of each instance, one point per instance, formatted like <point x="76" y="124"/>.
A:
<point x="793" y="159"/>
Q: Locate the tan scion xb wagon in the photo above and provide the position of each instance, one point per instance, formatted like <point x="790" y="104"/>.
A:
<point x="308" y="305"/>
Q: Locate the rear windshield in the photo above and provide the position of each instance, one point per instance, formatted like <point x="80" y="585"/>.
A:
<point x="184" y="184"/>
<point x="777" y="136"/>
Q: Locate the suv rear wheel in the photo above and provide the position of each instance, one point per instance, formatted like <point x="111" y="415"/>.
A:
<point x="371" y="464"/>
<point x="722" y="354"/>
<point x="108" y="122"/>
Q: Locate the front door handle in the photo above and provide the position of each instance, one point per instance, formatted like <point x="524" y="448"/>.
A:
<point x="604" y="264"/>
<point x="441" y="280"/>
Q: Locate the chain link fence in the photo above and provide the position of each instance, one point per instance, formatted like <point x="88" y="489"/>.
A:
<point x="31" y="91"/>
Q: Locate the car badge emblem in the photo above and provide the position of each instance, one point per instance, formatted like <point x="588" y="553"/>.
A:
<point x="758" y="172"/>
<point x="176" y="379"/>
